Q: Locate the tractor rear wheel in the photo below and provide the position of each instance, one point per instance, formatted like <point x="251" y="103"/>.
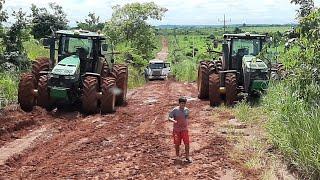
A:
<point x="108" y="98"/>
<point x="40" y="64"/>
<point x="105" y="70"/>
<point x="203" y="80"/>
<point x="214" y="85"/>
<point x="43" y="99"/>
<point x="89" y="97"/>
<point x="121" y="73"/>
<point x="231" y="89"/>
<point x="26" y="96"/>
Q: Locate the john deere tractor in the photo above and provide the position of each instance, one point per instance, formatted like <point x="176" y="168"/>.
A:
<point x="84" y="75"/>
<point x="237" y="70"/>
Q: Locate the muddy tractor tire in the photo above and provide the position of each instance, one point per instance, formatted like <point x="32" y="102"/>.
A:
<point x="105" y="70"/>
<point x="231" y="89"/>
<point x="40" y="64"/>
<point x="218" y="65"/>
<point x="26" y="97"/>
<point x="89" y="97"/>
<point x="214" y="93"/>
<point x="120" y="73"/>
<point x="43" y="98"/>
<point x="203" y="80"/>
<point x="108" y="99"/>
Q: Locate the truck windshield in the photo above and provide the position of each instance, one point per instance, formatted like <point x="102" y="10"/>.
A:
<point x="156" y="66"/>
<point x="246" y="47"/>
<point x="70" y="45"/>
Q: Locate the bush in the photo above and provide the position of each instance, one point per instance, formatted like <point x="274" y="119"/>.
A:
<point x="8" y="88"/>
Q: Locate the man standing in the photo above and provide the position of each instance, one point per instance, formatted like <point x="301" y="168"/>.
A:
<point x="179" y="117"/>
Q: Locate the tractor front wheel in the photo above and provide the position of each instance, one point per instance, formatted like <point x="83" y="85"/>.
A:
<point x="121" y="72"/>
<point x="43" y="99"/>
<point x="40" y="64"/>
<point x="203" y="80"/>
<point x="108" y="98"/>
<point x="26" y="97"/>
<point x="89" y="97"/>
<point x="231" y="89"/>
<point x="214" y="94"/>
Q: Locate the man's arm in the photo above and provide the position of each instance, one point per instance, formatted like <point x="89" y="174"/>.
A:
<point x="171" y="117"/>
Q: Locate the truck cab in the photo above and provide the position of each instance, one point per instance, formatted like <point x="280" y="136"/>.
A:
<point x="157" y="69"/>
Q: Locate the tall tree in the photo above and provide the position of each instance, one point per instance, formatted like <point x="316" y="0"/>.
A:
<point x="129" y="23"/>
<point x="44" y="21"/>
<point x="306" y="7"/>
<point x="92" y="23"/>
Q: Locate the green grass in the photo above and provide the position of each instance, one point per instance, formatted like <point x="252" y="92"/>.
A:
<point x="8" y="88"/>
<point x="34" y="49"/>
<point x="294" y="128"/>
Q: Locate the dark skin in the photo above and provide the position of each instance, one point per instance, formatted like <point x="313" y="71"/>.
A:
<point x="182" y="105"/>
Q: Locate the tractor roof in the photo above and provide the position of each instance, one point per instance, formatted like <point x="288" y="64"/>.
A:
<point x="81" y="33"/>
<point x="244" y="36"/>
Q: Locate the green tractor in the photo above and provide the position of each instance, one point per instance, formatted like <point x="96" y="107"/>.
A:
<point x="83" y="76"/>
<point x="237" y="70"/>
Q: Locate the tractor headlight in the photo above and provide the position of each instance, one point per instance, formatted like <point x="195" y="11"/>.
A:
<point x="54" y="76"/>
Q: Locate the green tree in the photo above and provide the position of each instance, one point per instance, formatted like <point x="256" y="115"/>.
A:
<point x="44" y="21"/>
<point x="92" y="23"/>
<point x="306" y="7"/>
<point x="129" y="24"/>
<point x="14" y="51"/>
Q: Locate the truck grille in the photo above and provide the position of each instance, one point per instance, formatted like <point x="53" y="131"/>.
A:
<point x="156" y="73"/>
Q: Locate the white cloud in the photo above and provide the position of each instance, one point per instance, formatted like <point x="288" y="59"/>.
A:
<point x="179" y="11"/>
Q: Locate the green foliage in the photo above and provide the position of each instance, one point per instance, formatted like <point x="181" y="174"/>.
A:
<point x="92" y="23"/>
<point x="128" y="24"/>
<point x="306" y="7"/>
<point x="35" y="49"/>
<point x="44" y="21"/>
<point x="293" y="105"/>
<point x="8" y="88"/>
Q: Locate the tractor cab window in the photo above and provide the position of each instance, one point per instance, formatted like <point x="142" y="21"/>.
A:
<point x="70" y="45"/>
<point x="241" y="47"/>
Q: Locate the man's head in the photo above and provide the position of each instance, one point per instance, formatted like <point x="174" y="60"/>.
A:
<point x="182" y="102"/>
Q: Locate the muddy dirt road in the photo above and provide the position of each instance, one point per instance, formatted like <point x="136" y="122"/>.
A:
<point x="135" y="142"/>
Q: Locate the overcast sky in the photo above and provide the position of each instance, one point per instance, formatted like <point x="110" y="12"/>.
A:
<point x="181" y="12"/>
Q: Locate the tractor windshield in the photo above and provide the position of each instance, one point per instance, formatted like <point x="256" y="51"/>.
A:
<point x="156" y="66"/>
<point x="70" y="45"/>
<point x="246" y="47"/>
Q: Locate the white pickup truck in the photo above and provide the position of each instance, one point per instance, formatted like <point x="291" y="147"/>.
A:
<point x="157" y="69"/>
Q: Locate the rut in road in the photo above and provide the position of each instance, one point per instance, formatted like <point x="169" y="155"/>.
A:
<point x="135" y="142"/>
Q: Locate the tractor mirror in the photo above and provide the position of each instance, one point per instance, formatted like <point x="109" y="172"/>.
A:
<point x="104" y="49"/>
<point x="215" y="44"/>
<point x="45" y="42"/>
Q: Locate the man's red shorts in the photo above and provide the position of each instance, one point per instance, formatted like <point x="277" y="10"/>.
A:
<point x="178" y="136"/>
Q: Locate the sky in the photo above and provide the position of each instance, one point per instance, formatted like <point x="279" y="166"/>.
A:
<point x="180" y="12"/>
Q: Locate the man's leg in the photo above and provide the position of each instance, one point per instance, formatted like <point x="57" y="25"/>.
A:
<point x="177" y="147"/>
<point x="177" y="142"/>
<point x="187" y="149"/>
<point x="185" y="137"/>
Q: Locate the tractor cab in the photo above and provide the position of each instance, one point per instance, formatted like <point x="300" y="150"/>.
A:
<point x="86" y="46"/>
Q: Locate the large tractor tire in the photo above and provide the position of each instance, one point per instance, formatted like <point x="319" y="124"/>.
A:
<point x="231" y="89"/>
<point x="214" y="93"/>
<point x="218" y="65"/>
<point x="89" y="97"/>
<point x="203" y="80"/>
<point x="43" y="99"/>
<point x="105" y="70"/>
<point x="120" y="72"/>
<point x="40" y="64"/>
<point x="26" y="97"/>
<point x="108" y="98"/>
